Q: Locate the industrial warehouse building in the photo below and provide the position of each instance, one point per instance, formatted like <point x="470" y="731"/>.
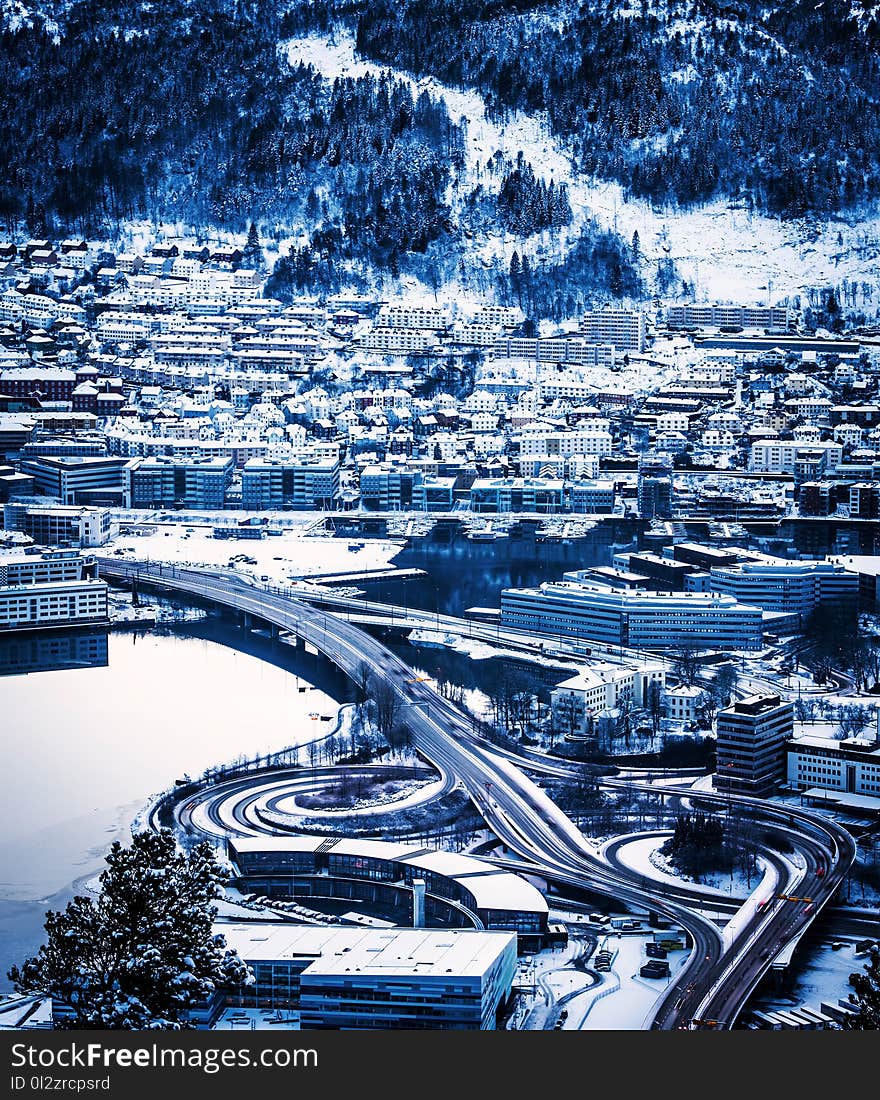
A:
<point x="376" y="978"/>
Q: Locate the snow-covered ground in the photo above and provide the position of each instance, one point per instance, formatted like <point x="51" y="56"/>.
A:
<point x="627" y="1007"/>
<point x="279" y="559"/>
<point x="821" y="973"/>
<point x="727" y="252"/>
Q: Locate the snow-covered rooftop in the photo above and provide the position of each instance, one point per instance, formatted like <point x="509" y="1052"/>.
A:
<point x="384" y="953"/>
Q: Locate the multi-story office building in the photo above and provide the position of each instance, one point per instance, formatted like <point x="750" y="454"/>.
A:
<point x="434" y="494"/>
<point x="750" y="748"/>
<point x="700" y="555"/>
<point x="649" y="620"/>
<point x="55" y="525"/>
<point x="665" y="573"/>
<point x="80" y="480"/>
<point x="47" y="567"/>
<point x="377" y="978"/>
<point x="517" y="494"/>
<point x="460" y="889"/>
<point x="796" y="587"/>
<point x="51" y="606"/>
<point x="290" y="483"/>
<point x="387" y="488"/>
<point x="592" y="496"/>
<point x="50" y="590"/>
<point x="822" y="764"/>
<point x="623" y="328"/>
<point x="165" y="482"/>
<point x="654" y="495"/>
<point x="65" y="448"/>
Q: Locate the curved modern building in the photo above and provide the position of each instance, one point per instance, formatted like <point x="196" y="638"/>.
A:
<point x="460" y="890"/>
<point x="647" y="620"/>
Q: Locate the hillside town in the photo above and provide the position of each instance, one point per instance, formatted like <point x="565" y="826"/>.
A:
<point x="167" y="381"/>
<point x="154" y="407"/>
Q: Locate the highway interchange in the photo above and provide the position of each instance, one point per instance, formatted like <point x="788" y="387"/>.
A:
<point x="721" y="970"/>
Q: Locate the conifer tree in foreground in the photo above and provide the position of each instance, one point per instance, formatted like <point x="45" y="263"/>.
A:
<point x="866" y="999"/>
<point x="143" y="951"/>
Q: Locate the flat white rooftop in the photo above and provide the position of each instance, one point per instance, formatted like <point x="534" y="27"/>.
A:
<point x="833" y="745"/>
<point x="843" y="799"/>
<point x="383" y="953"/>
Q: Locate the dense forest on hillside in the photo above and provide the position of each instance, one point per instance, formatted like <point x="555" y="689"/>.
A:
<point x="680" y="101"/>
<point x="189" y="111"/>
<point x="191" y="114"/>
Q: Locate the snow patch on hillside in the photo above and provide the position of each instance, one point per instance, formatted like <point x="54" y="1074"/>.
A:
<point x="723" y="250"/>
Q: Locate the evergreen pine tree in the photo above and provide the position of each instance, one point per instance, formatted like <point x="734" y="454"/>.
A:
<point x="141" y="953"/>
<point x="866" y="999"/>
<point x="252" y="253"/>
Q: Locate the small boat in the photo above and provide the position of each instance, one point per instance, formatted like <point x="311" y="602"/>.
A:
<point x="482" y="534"/>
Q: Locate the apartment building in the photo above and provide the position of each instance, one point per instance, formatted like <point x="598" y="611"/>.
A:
<point x="776" y="456"/>
<point x="622" y="328"/>
<point x="557" y="349"/>
<point x="721" y="315"/>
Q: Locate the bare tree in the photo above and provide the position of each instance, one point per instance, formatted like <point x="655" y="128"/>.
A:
<point x="852" y="720"/>
<point x="624" y="721"/>
<point x="655" y="706"/>
<point x="707" y="708"/>
<point x="686" y="666"/>
<point x="387" y="704"/>
<point x="724" y="683"/>
<point x="362" y="679"/>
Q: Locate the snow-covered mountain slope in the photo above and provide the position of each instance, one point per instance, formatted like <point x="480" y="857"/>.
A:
<point x="723" y="251"/>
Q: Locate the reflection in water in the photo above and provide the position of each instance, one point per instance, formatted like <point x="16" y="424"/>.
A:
<point x="47" y="652"/>
<point x="83" y="742"/>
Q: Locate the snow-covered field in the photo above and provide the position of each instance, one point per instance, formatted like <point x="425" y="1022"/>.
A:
<point x="627" y="1007"/>
<point x="279" y="558"/>
<point x="727" y="252"/>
